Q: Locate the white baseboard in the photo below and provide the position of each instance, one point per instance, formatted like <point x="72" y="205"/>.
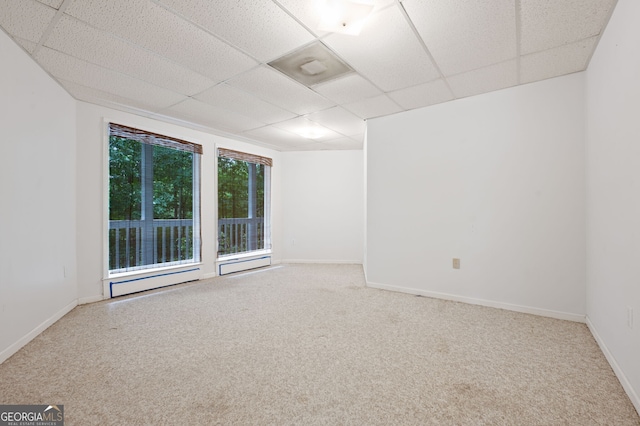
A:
<point x="626" y="385"/>
<point x="4" y="355"/>
<point x="482" y="302"/>
<point x="323" y="261"/>
<point x="92" y="299"/>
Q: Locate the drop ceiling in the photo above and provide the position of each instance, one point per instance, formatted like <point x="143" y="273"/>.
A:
<point x="204" y="63"/>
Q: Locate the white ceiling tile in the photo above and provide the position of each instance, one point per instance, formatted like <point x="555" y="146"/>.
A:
<point x="53" y="3"/>
<point x="152" y="27"/>
<point x="387" y="52"/>
<point x="27" y="45"/>
<point x="95" y="96"/>
<point x="373" y="107"/>
<point x="552" y="23"/>
<point x="340" y="120"/>
<point x="422" y="95"/>
<point x="307" y="12"/>
<point x="148" y="56"/>
<point x="258" y="27"/>
<point x="89" y="75"/>
<point x="275" y="88"/>
<point x="277" y="137"/>
<point x="300" y="124"/>
<point x="347" y="89"/>
<point x="26" y="19"/>
<point x="82" y="41"/>
<point x="207" y="115"/>
<point x="242" y="102"/>
<point x="463" y="35"/>
<point x="494" y="77"/>
<point x="555" y="62"/>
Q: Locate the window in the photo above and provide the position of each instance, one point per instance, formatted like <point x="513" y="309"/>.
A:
<point x="244" y="182"/>
<point x="154" y="206"/>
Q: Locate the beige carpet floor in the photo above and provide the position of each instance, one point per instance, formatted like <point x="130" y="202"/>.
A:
<point x="310" y="345"/>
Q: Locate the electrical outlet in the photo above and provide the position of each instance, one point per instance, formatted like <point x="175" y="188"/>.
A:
<point x="456" y="263"/>
<point x="630" y="316"/>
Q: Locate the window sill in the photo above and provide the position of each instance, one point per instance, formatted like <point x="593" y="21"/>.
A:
<point x="243" y="256"/>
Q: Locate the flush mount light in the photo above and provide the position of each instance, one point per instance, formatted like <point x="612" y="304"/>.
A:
<point x="311" y="65"/>
<point x="312" y="131"/>
<point x="343" y="16"/>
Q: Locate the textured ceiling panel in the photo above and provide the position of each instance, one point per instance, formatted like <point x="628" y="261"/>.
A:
<point x="153" y="27"/>
<point x="552" y="23"/>
<point x="233" y="99"/>
<point x="203" y="63"/>
<point x="348" y="89"/>
<point x="275" y="88"/>
<point x="53" y="3"/>
<point x="422" y="95"/>
<point x="27" y="45"/>
<point x="555" y="62"/>
<point x="26" y="19"/>
<point x="307" y="12"/>
<point x="207" y="115"/>
<point x="387" y="52"/>
<point x="78" y="39"/>
<point x="301" y="124"/>
<point x="373" y="107"/>
<point x="463" y="35"/>
<point x="89" y="75"/>
<point x="340" y="120"/>
<point x="484" y="80"/>
<point x="278" y="138"/>
<point x="258" y="27"/>
<point x="95" y="96"/>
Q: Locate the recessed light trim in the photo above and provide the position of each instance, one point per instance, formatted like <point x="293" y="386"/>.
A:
<point x="343" y="16"/>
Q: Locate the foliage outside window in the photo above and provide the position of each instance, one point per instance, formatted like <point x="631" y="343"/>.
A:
<point x="153" y="200"/>
<point x="243" y="203"/>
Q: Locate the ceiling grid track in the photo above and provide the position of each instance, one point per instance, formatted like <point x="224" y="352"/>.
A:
<point x="205" y="65"/>
<point x="51" y="26"/>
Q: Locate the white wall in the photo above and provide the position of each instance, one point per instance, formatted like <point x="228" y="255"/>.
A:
<point x="37" y="193"/>
<point x="496" y="180"/>
<point x="613" y="194"/>
<point x="323" y="206"/>
<point x="91" y="197"/>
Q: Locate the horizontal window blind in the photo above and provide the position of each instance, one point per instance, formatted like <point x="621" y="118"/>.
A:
<point x="153" y="138"/>
<point x="243" y="156"/>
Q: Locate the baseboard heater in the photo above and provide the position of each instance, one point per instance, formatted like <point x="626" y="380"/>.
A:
<point x="120" y="287"/>
<point x="238" y="265"/>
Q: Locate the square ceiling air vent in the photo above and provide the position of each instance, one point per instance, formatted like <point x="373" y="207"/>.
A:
<point x="311" y="65"/>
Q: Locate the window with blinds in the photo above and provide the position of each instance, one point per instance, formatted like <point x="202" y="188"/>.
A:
<point x="154" y="200"/>
<point x="244" y="184"/>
